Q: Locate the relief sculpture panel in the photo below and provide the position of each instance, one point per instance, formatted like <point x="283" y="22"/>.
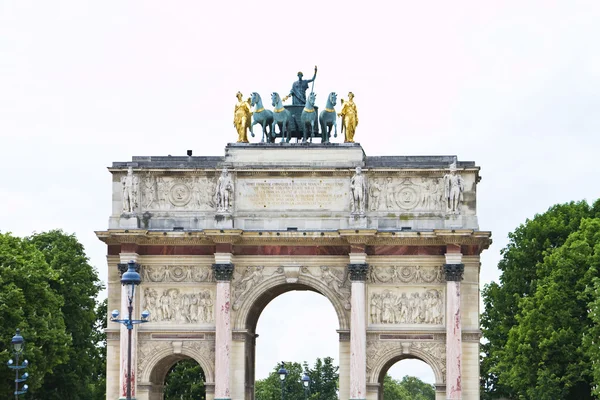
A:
<point x="161" y="193"/>
<point x="406" y="306"/>
<point x="179" y="305"/>
<point x="406" y="194"/>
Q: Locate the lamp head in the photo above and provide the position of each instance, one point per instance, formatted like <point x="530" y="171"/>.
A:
<point x="305" y="379"/>
<point x="282" y="371"/>
<point x="145" y="315"/>
<point x="115" y="314"/>
<point x="131" y="276"/>
<point x="17" y="342"/>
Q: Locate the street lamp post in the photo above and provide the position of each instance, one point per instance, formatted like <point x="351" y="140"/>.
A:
<point x="282" y="375"/>
<point x="305" y="383"/>
<point x="130" y="279"/>
<point x="18" y="344"/>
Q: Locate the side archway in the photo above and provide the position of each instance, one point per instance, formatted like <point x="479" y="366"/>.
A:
<point x="433" y="354"/>
<point x="160" y="356"/>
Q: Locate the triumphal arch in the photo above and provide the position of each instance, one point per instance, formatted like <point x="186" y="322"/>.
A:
<point x="393" y="242"/>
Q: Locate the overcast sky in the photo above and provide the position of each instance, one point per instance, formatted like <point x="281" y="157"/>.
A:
<point x="511" y="85"/>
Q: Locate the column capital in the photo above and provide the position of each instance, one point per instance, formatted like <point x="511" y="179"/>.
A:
<point x="454" y="272"/>
<point x="223" y="272"/>
<point x="358" y="272"/>
<point x="123" y="267"/>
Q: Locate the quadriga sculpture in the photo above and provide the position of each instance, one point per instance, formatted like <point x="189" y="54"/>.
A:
<point x="281" y="118"/>
<point x="328" y="119"/>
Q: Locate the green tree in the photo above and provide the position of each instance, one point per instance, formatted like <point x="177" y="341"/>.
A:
<point x="29" y="302"/>
<point x="98" y="386"/>
<point x="324" y="377"/>
<point x="521" y="268"/>
<point x="185" y="381"/>
<point x="409" y="388"/>
<point x="78" y="284"/>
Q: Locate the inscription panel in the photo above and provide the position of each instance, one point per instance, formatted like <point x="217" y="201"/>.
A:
<point x="293" y="194"/>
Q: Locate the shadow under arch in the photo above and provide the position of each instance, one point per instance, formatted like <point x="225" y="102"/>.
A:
<point x="391" y="357"/>
<point x="252" y="307"/>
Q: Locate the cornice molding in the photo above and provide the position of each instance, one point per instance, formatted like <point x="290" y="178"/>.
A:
<point x="343" y="237"/>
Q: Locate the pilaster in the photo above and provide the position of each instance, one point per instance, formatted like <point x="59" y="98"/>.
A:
<point x="223" y="271"/>
<point x="358" y="335"/>
<point x="454" y="270"/>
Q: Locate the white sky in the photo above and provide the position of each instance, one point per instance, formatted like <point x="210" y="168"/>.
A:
<point x="512" y="85"/>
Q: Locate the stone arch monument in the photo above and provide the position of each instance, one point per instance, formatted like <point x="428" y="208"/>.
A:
<point x="392" y="242"/>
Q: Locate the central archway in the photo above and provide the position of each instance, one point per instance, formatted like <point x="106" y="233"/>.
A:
<point x="284" y="280"/>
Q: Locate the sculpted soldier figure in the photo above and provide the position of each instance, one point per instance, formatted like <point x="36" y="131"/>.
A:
<point x="242" y="118"/>
<point x="454" y="187"/>
<point x="359" y="191"/>
<point x="349" y="118"/>
<point x="224" y="191"/>
<point x="298" y="92"/>
<point x="129" y="191"/>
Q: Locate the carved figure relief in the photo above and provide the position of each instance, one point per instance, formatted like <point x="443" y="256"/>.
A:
<point x="374" y="194"/>
<point x="224" y="192"/>
<point x="179" y="306"/>
<point x="416" y="307"/>
<point x="130" y="188"/>
<point x="407" y="274"/>
<point x="335" y="278"/>
<point x="176" y="273"/>
<point x="251" y="277"/>
<point x="454" y="187"/>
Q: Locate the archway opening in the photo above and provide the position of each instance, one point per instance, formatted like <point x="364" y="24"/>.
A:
<point x="296" y="324"/>
<point x="407" y="378"/>
<point x="178" y="377"/>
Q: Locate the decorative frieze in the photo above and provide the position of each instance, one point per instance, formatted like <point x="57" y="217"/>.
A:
<point x="406" y="274"/>
<point x="406" y="306"/>
<point x="454" y="272"/>
<point x="176" y="273"/>
<point x="178" y="193"/>
<point x="179" y="306"/>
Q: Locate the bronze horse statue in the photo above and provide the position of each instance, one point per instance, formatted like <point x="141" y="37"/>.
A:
<point x="262" y="117"/>
<point x="308" y="119"/>
<point x="281" y="118"/>
<point x="328" y="119"/>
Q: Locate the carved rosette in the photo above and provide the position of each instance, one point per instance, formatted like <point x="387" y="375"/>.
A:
<point x="358" y="272"/>
<point x="454" y="272"/>
<point x="223" y="272"/>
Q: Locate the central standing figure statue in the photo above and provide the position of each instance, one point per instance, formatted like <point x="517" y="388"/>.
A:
<point x="298" y="92"/>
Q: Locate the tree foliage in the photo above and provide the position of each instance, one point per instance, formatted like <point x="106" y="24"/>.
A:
<point x="409" y="388"/>
<point x="48" y="290"/>
<point x="536" y="319"/>
<point x="324" y="377"/>
<point x="185" y="381"/>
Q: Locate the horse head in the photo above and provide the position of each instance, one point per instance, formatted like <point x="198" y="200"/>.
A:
<point x="254" y="98"/>
<point x="310" y="100"/>
<point x="275" y="99"/>
<point x="332" y="98"/>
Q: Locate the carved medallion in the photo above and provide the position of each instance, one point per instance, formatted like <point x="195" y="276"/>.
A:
<point x="407" y="198"/>
<point x="180" y="194"/>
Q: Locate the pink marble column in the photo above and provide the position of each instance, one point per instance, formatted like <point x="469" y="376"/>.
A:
<point x="223" y="273"/>
<point x="358" y="332"/>
<point x="454" y="270"/>
<point x="124" y="341"/>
